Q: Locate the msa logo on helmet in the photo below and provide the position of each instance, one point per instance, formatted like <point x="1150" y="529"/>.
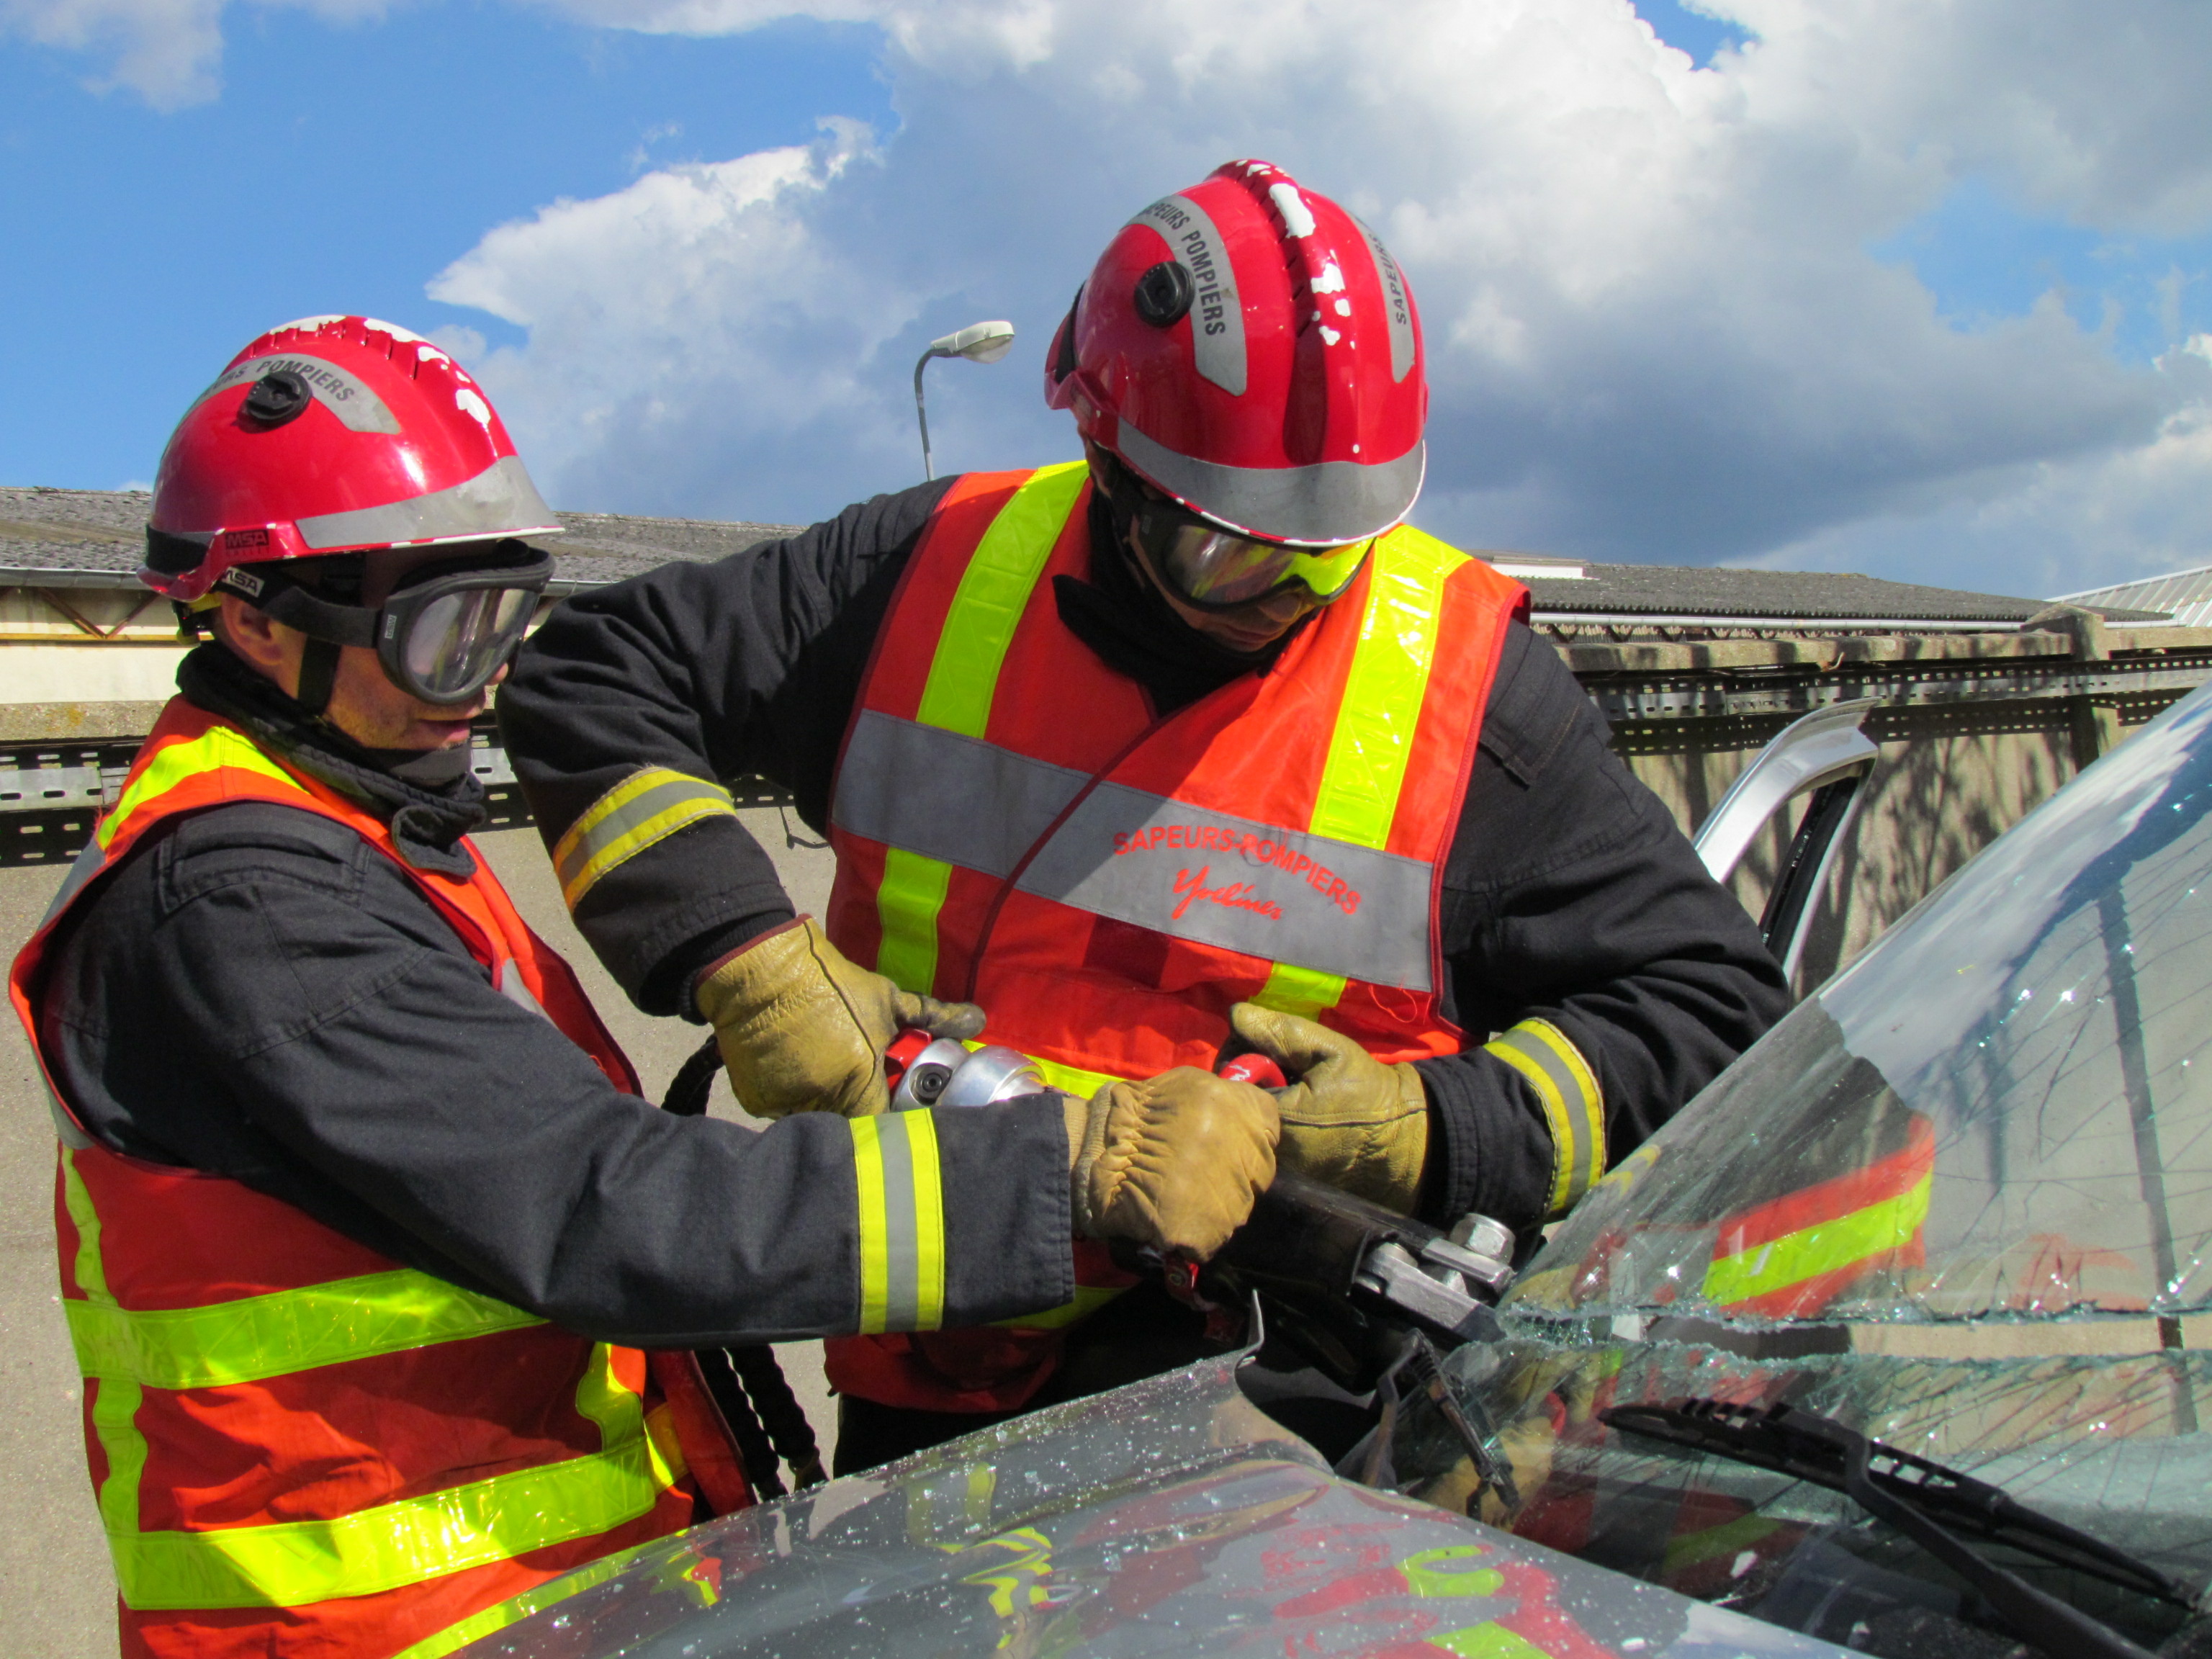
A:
<point x="243" y="581"/>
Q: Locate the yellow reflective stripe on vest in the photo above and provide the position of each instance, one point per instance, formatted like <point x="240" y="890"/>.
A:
<point x="218" y="747"/>
<point x="1866" y="1234"/>
<point x="901" y="1222"/>
<point x="298" y="1563"/>
<point x="1073" y="1080"/>
<point x="255" y="1337"/>
<point x="963" y="677"/>
<point x="515" y="1610"/>
<point x="114" y="1414"/>
<point x="993" y="592"/>
<point x="1089" y="1298"/>
<point x="649" y="805"/>
<point x="1364" y="771"/>
<point x="907" y="903"/>
<point x="1574" y="1105"/>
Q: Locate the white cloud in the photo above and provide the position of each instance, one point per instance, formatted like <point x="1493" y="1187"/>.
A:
<point x="168" y="51"/>
<point x="680" y="328"/>
<point x="1656" y="329"/>
<point x="2053" y="526"/>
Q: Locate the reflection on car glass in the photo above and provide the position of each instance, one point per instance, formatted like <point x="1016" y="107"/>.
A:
<point x="1808" y="1446"/>
<point x="1957" y="1202"/>
<point x="2005" y="1108"/>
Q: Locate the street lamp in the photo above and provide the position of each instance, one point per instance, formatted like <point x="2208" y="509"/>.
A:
<point x="979" y="342"/>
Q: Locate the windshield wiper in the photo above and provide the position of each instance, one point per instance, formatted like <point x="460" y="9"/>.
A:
<point x="1910" y="1494"/>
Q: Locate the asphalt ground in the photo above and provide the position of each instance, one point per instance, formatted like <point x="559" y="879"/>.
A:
<point x="56" y="1590"/>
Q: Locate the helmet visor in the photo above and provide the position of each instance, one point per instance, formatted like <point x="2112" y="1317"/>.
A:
<point x="444" y="641"/>
<point x="1216" y="567"/>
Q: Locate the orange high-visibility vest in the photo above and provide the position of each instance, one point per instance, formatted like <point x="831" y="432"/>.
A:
<point x="1014" y="825"/>
<point x="300" y="1446"/>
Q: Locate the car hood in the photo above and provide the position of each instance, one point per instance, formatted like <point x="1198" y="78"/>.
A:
<point x="1168" y="1518"/>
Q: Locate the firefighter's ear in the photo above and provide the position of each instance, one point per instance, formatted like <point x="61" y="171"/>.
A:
<point x="249" y="631"/>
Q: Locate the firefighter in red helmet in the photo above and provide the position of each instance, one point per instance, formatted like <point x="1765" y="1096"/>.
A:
<point x="364" y="1231"/>
<point x="1191" y="739"/>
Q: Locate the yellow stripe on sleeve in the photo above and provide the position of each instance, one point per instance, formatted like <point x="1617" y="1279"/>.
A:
<point x="1574" y="1105"/>
<point x="648" y="806"/>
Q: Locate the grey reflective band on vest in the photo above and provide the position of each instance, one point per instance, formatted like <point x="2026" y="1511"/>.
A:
<point x="511" y="986"/>
<point x="500" y="501"/>
<point x="343" y="393"/>
<point x="1211" y="878"/>
<point x="89" y="863"/>
<point x="946" y="796"/>
<point x="1217" y="317"/>
<point x="1322" y="503"/>
<point x="1398" y="310"/>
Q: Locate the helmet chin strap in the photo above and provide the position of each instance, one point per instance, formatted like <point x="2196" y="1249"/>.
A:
<point x="319" y="673"/>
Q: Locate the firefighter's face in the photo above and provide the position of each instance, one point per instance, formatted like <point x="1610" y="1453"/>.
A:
<point x="364" y="703"/>
<point x="1246" y="628"/>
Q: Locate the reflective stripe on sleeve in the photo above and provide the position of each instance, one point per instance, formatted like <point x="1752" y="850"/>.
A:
<point x="254" y="1337"/>
<point x="1574" y="1105"/>
<point x="901" y="1222"/>
<point x="648" y="806"/>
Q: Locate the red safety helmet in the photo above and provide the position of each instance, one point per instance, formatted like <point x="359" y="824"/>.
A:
<point x="333" y="434"/>
<point x="1249" y="348"/>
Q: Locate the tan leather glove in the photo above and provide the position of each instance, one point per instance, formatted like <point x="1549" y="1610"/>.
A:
<point x="1348" y="1119"/>
<point x="1175" y="1161"/>
<point x="803" y="1029"/>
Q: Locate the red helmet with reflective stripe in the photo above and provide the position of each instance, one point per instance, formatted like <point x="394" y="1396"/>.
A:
<point x="333" y="434"/>
<point x="1250" y="349"/>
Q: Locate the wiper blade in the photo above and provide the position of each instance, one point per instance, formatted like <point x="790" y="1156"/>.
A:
<point x="1910" y="1494"/>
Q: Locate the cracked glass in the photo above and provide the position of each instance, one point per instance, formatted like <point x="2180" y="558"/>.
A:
<point x="1960" y="1199"/>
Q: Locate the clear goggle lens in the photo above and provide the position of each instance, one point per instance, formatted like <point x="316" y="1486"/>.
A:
<point x="1215" y="566"/>
<point x="454" y="644"/>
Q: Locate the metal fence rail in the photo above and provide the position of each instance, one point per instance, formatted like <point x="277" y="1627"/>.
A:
<point x="53" y="794"/>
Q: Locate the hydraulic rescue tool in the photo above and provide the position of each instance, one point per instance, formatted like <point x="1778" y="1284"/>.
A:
<point x="1349" y="1285"/>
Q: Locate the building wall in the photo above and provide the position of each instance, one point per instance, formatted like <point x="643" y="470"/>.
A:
<point x="1950" y="779"/>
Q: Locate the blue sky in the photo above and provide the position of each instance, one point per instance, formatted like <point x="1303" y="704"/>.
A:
<point x="1856" y="283"/>
<point x="343" y="166"/>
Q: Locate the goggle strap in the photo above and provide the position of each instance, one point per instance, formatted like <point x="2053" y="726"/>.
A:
<point x="317" y="618"/>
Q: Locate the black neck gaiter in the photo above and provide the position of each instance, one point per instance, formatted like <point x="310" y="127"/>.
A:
<point x="429" y="800"/>
<point x="1122" y="617"/>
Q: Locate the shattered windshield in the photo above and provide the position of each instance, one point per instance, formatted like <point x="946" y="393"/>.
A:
<point x="1959" y="1200"/>
<point x="2003" y="1108"/>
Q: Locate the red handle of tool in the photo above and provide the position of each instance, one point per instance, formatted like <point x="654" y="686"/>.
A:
<point x="1254" y="1068"/>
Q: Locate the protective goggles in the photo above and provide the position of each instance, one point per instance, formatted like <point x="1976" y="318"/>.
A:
<point x="1218" y="569"/>
<point x="440" y="637"/>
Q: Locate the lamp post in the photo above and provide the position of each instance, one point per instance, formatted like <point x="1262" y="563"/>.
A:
<point x="979" y="342"/>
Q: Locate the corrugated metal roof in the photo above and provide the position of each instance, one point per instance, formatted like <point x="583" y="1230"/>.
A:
<point x="2185" y="595"/>
<point x="1568" y="591"/>
<point x="85" y="537"/>
<point x="92" y="538"/>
